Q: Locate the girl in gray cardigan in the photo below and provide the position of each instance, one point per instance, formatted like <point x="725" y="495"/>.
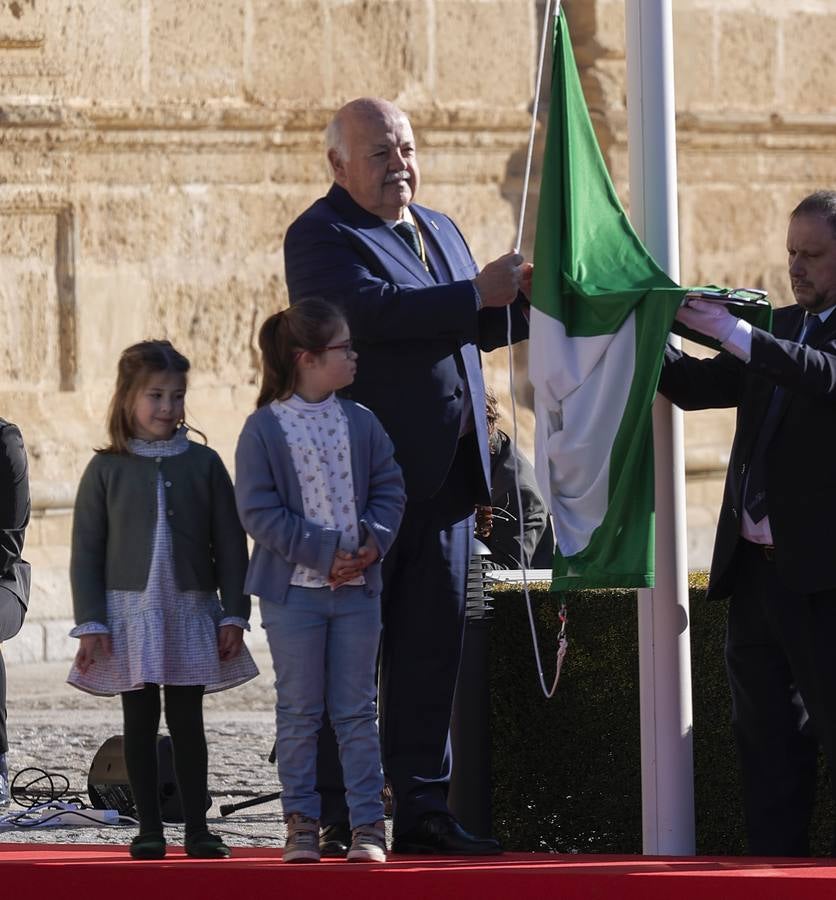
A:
<point x="155" y="535"/>
<point x="319" y="490"/>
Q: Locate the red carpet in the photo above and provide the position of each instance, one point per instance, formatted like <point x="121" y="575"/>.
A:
<point x="105" y="871"/>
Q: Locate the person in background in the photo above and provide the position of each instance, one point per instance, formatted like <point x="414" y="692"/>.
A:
<point x="15" y="575"/>
<point x="498" y="525"/>
<point x="155" y="537"/>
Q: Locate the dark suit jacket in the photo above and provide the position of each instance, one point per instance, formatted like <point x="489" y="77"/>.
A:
<point x="14" y="511"/>
<point x="800" y="475"/>
<point x="418" y="333"/>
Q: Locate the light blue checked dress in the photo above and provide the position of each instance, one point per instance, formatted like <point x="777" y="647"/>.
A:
<point x="162" y="635"/>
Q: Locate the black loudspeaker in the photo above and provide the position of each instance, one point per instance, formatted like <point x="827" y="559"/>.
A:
<point x="108" y="787"/>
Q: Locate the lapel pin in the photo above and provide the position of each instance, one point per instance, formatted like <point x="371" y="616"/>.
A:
<point x="432" y="222"/>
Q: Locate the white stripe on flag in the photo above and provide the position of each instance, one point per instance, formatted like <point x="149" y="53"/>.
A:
<point x="581" y="386"/>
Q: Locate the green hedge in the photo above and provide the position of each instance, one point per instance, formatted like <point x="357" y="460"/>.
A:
<point x="567" y="771"/>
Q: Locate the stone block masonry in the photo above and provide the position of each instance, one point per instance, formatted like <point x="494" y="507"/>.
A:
<point x="152" y="155"/>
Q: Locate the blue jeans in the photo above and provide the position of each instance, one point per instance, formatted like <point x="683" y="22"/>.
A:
<point x="324" y="647"/>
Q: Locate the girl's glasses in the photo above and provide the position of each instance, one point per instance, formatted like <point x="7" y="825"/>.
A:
<point x="345" y="346"/>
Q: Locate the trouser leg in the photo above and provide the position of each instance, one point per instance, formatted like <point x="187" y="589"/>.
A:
<point x="809" y="641"/>
<point x="351" y="659"/>
<point x="778" y="754"/>
<point x="12" y="613"/>
<point x="423" y="625"/>
<point x="329" y="777"/>
<point x="296" y="633"/>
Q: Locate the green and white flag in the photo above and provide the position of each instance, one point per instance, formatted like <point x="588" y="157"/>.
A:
<point x="601" y="313"/>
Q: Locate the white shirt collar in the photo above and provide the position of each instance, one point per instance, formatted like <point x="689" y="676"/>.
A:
<point x="407" y="217"/>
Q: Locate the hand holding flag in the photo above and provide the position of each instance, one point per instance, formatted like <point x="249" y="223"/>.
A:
<point x="705" y="317"/>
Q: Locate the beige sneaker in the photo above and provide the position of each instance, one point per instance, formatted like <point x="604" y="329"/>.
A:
<point x="368" y="843"/>
<point x="302" y="844"/>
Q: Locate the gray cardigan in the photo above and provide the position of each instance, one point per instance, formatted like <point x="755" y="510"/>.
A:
<point x="270" y="503"/>
<point x="113" y="529"/>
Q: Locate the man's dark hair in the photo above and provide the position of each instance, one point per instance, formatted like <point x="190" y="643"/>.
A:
<point x="819" y="203"/>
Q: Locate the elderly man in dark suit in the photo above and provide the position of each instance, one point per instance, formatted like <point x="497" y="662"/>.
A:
<point x="419" y="311"/>
<point x="774" y="553"/>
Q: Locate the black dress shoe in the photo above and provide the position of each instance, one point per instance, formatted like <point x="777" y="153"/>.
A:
<point x="334" y="840"/>
<point x="440" y="833"/>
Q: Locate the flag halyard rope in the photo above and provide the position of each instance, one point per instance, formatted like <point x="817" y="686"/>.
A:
<point x="562" y="640"/>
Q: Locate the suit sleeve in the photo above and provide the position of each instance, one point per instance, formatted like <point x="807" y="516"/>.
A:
<point x="493" y="325"/>
<point x="14" y="497"/>
<point x="229" y="544"/>
<point x="324" y="260"/>
<point x="266" y="516"/>
<point x="693" y="383"/>
<point x="387" y="496"/>
<point x="797" y="367"/>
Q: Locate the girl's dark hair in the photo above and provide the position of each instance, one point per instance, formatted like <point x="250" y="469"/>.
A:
<point x="307" y="325"/>
<point x="137" y="364"/>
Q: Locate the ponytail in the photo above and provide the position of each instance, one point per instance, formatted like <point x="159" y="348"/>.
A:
<point x="307" y="325"/>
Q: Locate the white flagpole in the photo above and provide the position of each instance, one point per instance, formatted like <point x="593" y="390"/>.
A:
<point x="664" y="641"/>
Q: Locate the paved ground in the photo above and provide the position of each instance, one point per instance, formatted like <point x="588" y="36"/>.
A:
<point x="58" y="728"/>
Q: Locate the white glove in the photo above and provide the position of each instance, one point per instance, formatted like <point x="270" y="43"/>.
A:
<point x="712" y="319"/>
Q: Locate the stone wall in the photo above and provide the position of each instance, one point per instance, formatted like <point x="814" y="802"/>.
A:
<point x="153" y="153"/>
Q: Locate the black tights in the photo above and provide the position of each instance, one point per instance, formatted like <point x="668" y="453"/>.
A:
<point x="184" y="717"/>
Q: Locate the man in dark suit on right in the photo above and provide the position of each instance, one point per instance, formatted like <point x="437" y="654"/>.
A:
<point x="774" y="552"/>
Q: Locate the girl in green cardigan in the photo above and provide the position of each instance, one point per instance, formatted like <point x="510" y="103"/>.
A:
<point x="155" y="537"/>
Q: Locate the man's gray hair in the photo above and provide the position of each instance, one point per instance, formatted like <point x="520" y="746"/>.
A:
<point x="335" y="139"/>
<point x="821" y="204"/>
<point x="370" y="108"/>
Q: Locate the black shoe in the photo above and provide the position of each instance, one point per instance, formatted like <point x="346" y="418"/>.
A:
<point x="334" y="840"/>
<point x="148" y="845"/>
<point x="204" y="845"/>
<point x="440" y="833"/>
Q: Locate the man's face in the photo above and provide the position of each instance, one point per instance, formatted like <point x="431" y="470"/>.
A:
<point x="811" y="258"/>
<point x="381" y="171"/>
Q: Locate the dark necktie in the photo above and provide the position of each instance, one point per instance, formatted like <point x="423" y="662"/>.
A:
<point x="409" y="233"/>
<point x="755" y="499"/>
